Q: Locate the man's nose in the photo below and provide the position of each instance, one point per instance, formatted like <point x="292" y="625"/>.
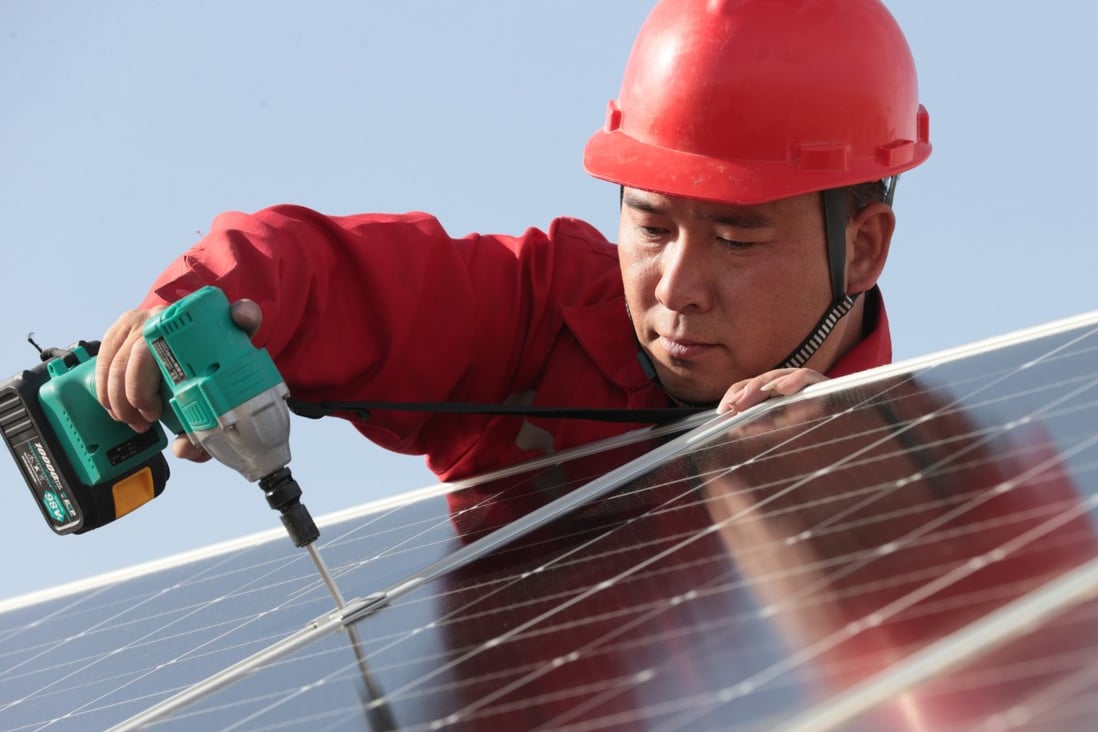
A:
<point x="686" y="276"/>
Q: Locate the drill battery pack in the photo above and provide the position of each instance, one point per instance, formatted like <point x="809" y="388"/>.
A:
<point x="83" y="468"/>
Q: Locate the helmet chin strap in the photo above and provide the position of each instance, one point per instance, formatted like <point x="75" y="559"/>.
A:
<point x="834" y="209"/>
<point x="816" y="338"/>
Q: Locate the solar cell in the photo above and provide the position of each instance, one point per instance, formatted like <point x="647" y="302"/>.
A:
<point x="914" y="548"/>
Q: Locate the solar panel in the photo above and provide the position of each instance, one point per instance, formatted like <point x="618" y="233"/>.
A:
<point x="911" y="548"/>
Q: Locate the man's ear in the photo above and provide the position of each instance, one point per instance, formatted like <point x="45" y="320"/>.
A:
<point x="868" y="236"/>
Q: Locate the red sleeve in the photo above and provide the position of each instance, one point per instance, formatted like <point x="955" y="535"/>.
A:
<point x="382" y="307"/>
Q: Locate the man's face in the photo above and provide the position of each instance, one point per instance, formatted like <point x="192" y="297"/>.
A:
<point x="720" y="293"/>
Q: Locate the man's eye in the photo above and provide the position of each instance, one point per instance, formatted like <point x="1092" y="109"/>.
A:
<point x="653" y="232"/>
<point x="734" y="244"/>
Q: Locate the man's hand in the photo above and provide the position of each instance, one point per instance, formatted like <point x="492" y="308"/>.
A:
<point x="779" y="382"/>
<point x="127" y="379"/>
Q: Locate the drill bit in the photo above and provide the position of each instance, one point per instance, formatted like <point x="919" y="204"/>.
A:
<point x="284" y="495"/>
<point x="326" y="576"/>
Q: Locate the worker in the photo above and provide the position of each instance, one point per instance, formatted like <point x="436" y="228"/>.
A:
<point x="756" y="144"/>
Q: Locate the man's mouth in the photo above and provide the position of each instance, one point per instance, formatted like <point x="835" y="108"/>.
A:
<point x="685" y="349"/>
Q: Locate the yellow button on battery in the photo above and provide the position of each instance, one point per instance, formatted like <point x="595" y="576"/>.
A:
<point x="133" y="491"/>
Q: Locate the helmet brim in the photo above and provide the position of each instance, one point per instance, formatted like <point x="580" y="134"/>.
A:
<point x="619" y="158"/>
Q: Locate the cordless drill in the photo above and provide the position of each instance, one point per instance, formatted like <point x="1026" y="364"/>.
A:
<point x="85" y="469"/>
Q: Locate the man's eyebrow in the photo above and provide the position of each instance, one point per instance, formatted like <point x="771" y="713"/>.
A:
<point x="640" y="204"/>
<point x="739" y="218"/>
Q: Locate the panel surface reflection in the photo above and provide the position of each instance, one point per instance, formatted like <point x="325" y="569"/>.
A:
<point x="756" y="576"/>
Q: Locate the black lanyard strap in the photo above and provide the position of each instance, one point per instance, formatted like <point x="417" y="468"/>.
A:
<point x="362" y="410"/>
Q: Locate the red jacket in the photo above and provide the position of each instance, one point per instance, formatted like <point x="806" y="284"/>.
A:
<point x="392" y="308"/>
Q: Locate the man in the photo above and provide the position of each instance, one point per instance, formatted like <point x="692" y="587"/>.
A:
<point x="751" y="140"/>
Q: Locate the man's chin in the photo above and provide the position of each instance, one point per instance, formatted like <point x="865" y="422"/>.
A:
<point x="690" y="393"/>
<point x="690" y="383"/>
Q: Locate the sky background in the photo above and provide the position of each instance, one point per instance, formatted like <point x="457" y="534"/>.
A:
<point x="125" y="127"/>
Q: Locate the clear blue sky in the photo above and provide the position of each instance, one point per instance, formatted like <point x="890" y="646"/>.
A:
<point x="128" y="126"/>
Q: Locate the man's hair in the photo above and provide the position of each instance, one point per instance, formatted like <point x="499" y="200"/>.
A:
<point x="860" y="195"/>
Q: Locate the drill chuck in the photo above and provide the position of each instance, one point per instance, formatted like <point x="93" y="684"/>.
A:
<point x="284" y="495"/>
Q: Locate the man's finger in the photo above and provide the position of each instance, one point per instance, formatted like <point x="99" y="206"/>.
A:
<point x="119" y="404"/>
<point x="111" y="348"/>
<point x="184" y="449"/>
<point x="779" y="382"/>
<point x="793" y="382"/>
<point x="143" y="382"/>
<point x="247" y="315"/>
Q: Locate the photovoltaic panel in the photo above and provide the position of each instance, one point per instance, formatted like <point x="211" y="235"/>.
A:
<point x="92" y="659"/>
<point x="915" y="548"/>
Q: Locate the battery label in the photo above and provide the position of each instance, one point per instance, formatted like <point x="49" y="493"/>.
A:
<point x="167" y="359"/>
<point x="52" y="502"/>
<point x="47" y="484"/>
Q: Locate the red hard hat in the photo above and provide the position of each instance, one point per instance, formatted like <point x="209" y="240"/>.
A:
<point x="747" y="101"/>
